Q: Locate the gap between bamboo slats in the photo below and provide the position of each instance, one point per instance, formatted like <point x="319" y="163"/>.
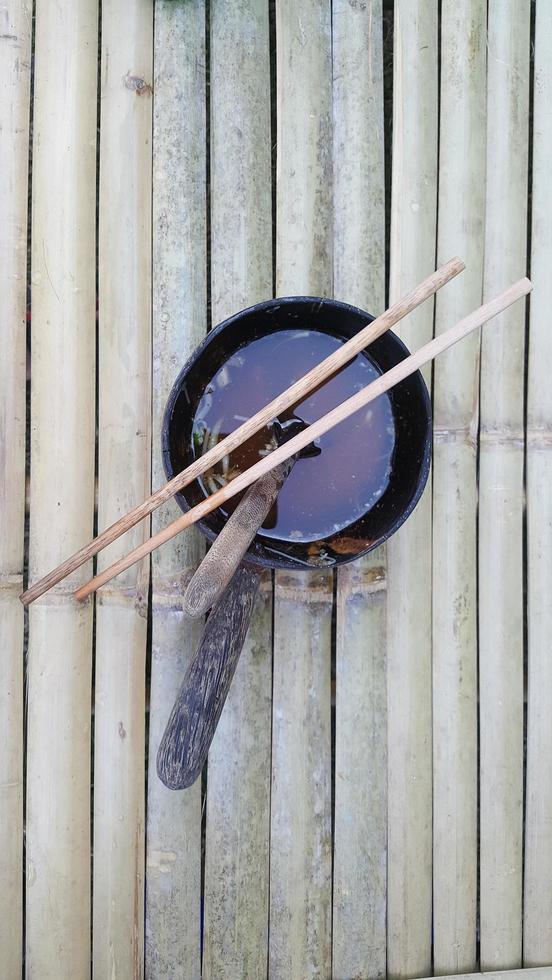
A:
<point x="62" y="488"/>
<point x="238" y="772"/>
<point x="300" y="846"/>
<point x="123" y="480"/>
<point x="456" y="394"/>
<point x="360" y="822"/>
<point x="413" y="229"/>
<point x="501" y="493"/>
<point x="15" y="63"/>
<point x="537" y="908"/>
<point x="173" y="857"/>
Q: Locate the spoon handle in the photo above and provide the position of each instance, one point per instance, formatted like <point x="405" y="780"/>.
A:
<point x="196" y="711"/>
<point x="225" y="554"/>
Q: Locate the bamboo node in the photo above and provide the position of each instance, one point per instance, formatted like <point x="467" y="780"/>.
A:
<point x="64" y="596"/>
<point x="447" y="435"/>
<point x="304" y="587"/>
<point x="265" y="587"/>
<point x="166" y="603"/>
<point x="137" y="84"/>
<point x="167" y="590"/>
<point x="504" y="436"/>
<point x="361" y="582"/>
<point x="172" y="586"/>
<point x="539" y="438"/>
<point x="11" y="583"/>
<point x="124" y="596"/>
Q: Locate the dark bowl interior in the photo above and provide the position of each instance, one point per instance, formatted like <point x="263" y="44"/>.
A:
<point x="410" y="405"/>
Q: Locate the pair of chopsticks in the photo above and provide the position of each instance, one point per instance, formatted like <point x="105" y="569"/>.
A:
<point x="295" y="393"/>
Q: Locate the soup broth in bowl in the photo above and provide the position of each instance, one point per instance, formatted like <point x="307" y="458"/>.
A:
<point x="323" y="493"/>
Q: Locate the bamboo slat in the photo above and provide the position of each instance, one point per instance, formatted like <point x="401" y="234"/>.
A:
<point x="241" y="208"/>
<point x="62" y="488"/>
<point x="238" y="803"/>
<point x="123" y="480"/>
<point x="456" y="394"/>
<point x="360" y="822"/>
<point x="300" y="852"/>
<point x="413" y="227"/>
<point x="15" y="41"/>
<point x="238" y="774"/>
<point x="537" y="907"/>
<point x="501" y="494"/>
<point x="358" y="154"/>
<point x="300" y="846"/>
<point x="360" y="829"/>
<point x="236" y="872"/>
<point x="173" y="858"/>
<point x="304" y="148"/>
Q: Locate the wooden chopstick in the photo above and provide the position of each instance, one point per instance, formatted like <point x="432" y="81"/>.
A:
<point x="382" y="384"/>
<point x="286" y="399"/>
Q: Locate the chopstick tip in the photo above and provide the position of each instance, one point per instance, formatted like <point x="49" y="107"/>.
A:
<point x="458" y="262"/>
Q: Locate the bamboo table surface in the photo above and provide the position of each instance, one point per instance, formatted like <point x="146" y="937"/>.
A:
<point x="378" y="796"/>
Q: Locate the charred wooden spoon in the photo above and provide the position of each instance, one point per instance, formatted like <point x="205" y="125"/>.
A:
<point x="200" y="700"/>
<point x="229" y="585"/>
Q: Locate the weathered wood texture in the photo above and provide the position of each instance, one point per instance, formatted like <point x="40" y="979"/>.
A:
<point x="360" y="834"/>
<point x="501" y="494"/>
<point x="238" y="776"/>
<point x="200" y="700"/>
<point x="413" y="230"/>
<point x="124" y="418"/>
<point x="360" y="826"/>
<point x="173" y="857"/>
<point x="300" y="844"/>
<point x="304" y="149"/>
<point x="238" y="788"/>
<point x="537" y="907"/>
<point x="62" y="488"/>
<point x="456" y="419"/>
<point x="15" y="47"/>
<point x="173" y="867"/>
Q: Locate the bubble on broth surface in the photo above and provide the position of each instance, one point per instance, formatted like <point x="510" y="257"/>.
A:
<point x="323" y="494"/>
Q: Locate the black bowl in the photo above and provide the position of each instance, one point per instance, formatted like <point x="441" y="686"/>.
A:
<point x="410" y="405"/>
